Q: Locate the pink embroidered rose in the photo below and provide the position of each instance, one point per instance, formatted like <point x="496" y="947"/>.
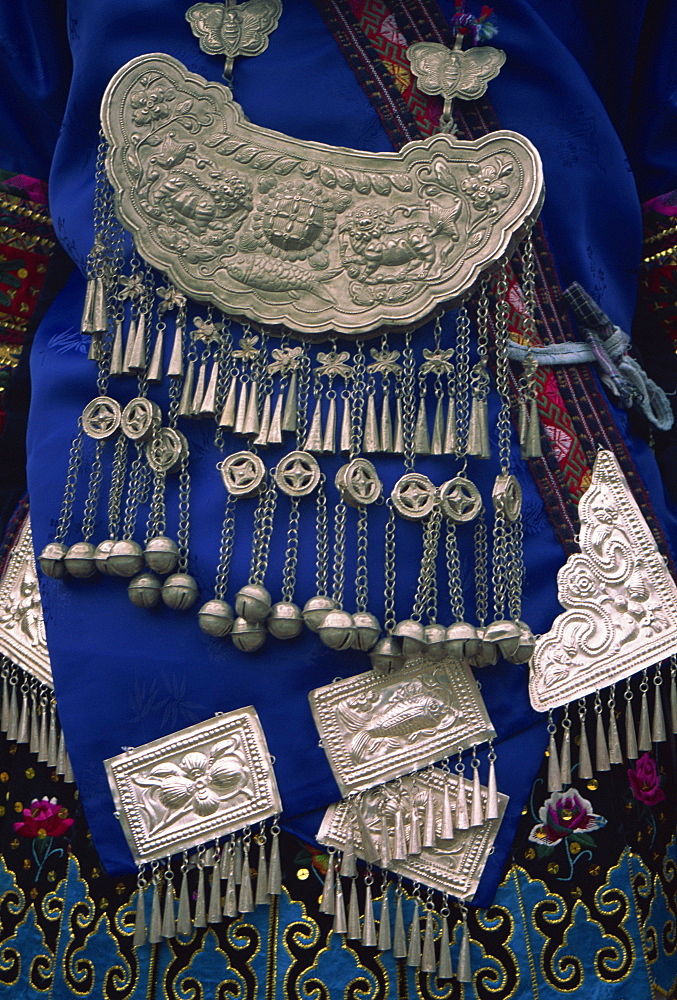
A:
<point x="43" y="818"/>
<point x="645" y="782"/>
<point x="565" y="815"/>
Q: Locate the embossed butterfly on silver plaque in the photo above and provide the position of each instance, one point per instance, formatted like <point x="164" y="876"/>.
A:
<point x="454" y="866"/>
<point x="620" y="598"/>
<point x="311" y="236"/>
<point x="375" y="728"/>
<point x="198" y="784"/>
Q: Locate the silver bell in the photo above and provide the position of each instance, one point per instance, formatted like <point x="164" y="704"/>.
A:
<point x="216" y="617"/>
<point x="386" y="655"/>
<point x="435" y="638"/>
<point x="252" y="602"/>
<point x="101" y="553"/>
<point x="144" y="590"/>
<point x="285" y="620"/>
<point x="412" y="635"/>
<point x="248" y="636"/>
<point x="315" y="609"/>
<point x="161" y="554"/>
<point x="367" y="630"/>
<point x="79" y="560"/>
<point x="51" y="560"/>
<point x="125" y="558"/>
<point x="488" y="653"/>
<point x="505" y="634"/>
<point x="461" y="640"/>
<point x="179" y="591"/>
<point x="337" y="629"/>
<point x="526" y="647"/>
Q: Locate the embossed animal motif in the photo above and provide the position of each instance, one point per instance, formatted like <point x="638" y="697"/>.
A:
<point x="215" y="206"/>
<point x="378" y="241"/>
<point x="407" y="712"/>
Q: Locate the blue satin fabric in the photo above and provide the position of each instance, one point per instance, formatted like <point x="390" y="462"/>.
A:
<point x="124" y="676"/>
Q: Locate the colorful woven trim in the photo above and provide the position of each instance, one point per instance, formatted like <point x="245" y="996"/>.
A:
<point x="27" y="243"/>
<point x="574" y="411"/>
<point x="659" y="273"/>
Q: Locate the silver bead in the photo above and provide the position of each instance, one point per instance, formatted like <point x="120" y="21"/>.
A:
<point x="253" y="602"/>
<point x="367" y="630"/>
<point x="285" y="620"/>
<point x="386" y="655"/>
<point x="461" y="640"/>
<point x="179" y="591"/>
<point x="435" y="638"/>
<point x="101" y="554"/>
<point x="79" y="560"/>
<point x="412" y="635"/>
<point x="144" y="590"/>
<point x="337" y="630"/>
<point x="315" y="609"/>
<point x="125" y="558"/>
<point x="161" y="554"/>
<point x="51" y="560"/>
<point x="216" y="617"/>
<point x="248" y="636"/>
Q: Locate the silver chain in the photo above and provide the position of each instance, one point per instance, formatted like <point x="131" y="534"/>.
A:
<point x="322" y="536"/>
<point x="361" y="575"/>
<point x="291" y="553"/>
<point x="389" y="570"/>
<point x="74" y="463"/>
<point x="226" y="551"/>
<point x="454" y="573"/>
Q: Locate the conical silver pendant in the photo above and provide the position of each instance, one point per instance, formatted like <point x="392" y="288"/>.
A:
<point x="251" y="425"/>
<point x="601" y="750"/>
<point x="414" y="950"/>
<point x="428" y="960"/>
<point x="154" y="373"/>
<point x="245" y="902"/>
<point x="437" y="440"/>
<point x="241" y="411"/>
<point x="370" y="435"/>
<point x="615" y="751"/>
<point x="384" y="937"/>
<point x="137" y="358"/>
<point x="386" y="427"/>
<point x="261" y="897"/>
<point x="385" y="853"/>
<point x="421" y="436"/>
<point x="329" y="439"/>
<point x="630" y="735"/>
<point x="447" y="827"/>
<point x="290" y="415"/>
<point x="644" y="735"/>
<point x="658" y="733"/>
<point x="450" y="431"/>
<point x="328" y="900"/>
<point x="464" y="969"/>
<point x="445" y="969"/>
<point x="117" y="360"/>
<point x="200" y="918"/>
<point x="264" y="424"/>
<point x="140" y="928"/>
<point x="184" y="924"/>
<point x="227" y="419"/>
<point x="369" y="924"/>
<point x="346" y="427"/>
<point x="565" y="758"/>
<point x="314" y="440"/>
<point x="155" y="926"/>
<point x="340" y="921"/>
<point x="186" y="403"/>
<point x="554" y="774"/>
<point x="478" y="430"/>
<point x="429" y="839"/>
<point x="398" y="437"/>
<point x="22" y="734"/>
<point x="399" y="945"/>
<point x="584" y="761"/>
<point x="462" y="818"/>
<point x="214" y="912"/>
<point x="129" y="346"/>
<point x="175" y="366"/>
<point x="274" y="868"/>
<point x="169" y="912"/>
<point x="275" y="430"/>
<point x="492" y="794"/>
<point x="532" y="443"/>
<point x="208" y="407"/>
<point x="199" y="393"/>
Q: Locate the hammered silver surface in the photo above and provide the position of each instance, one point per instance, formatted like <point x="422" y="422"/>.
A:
<point x="620" y="599"/>
<point x="376" y="727"/>
<point x="455" y="868"/>
<point x="311" y="236"/>
<point x="22" y="628"/>
<point x="195" y="785"/>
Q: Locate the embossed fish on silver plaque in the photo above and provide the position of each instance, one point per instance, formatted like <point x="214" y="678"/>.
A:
<point x="198" y="784"/>
<point x="620" y="598"/>
<point x="375" y="727"/>
<point x="311" y="236"/>
<point x="454" y="866"/>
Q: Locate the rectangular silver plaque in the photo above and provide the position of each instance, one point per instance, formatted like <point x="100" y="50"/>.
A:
<point x="455" y="867"/>
<point x="186" y="789"/>
<point x="376" y="727"/>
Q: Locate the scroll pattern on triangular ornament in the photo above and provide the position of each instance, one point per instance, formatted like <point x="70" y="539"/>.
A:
<point x="620" y="599"/>
<point x="311" y="236"/>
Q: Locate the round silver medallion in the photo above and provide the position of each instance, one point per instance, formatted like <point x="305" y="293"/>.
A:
<point x="413" y="496"/>
<point x="460" y="500"/>
<point x="358" y="483"/>
<point x="243" y="473"/>
<point x="166" y="450"/>
<point x="101" y="418"/>
<point x="139" y="418"/>
<point x="297" y="474"/>
<point x="507" y="496"/>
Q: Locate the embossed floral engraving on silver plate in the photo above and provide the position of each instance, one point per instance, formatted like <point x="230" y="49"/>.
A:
<point x="193" y="786"/>
<point x="312" y="236"/>
<point x="22" y="628"/>
<point x="455" y="866"/>
<point x="620" y="598"/>
<point x="375" y="727"/>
